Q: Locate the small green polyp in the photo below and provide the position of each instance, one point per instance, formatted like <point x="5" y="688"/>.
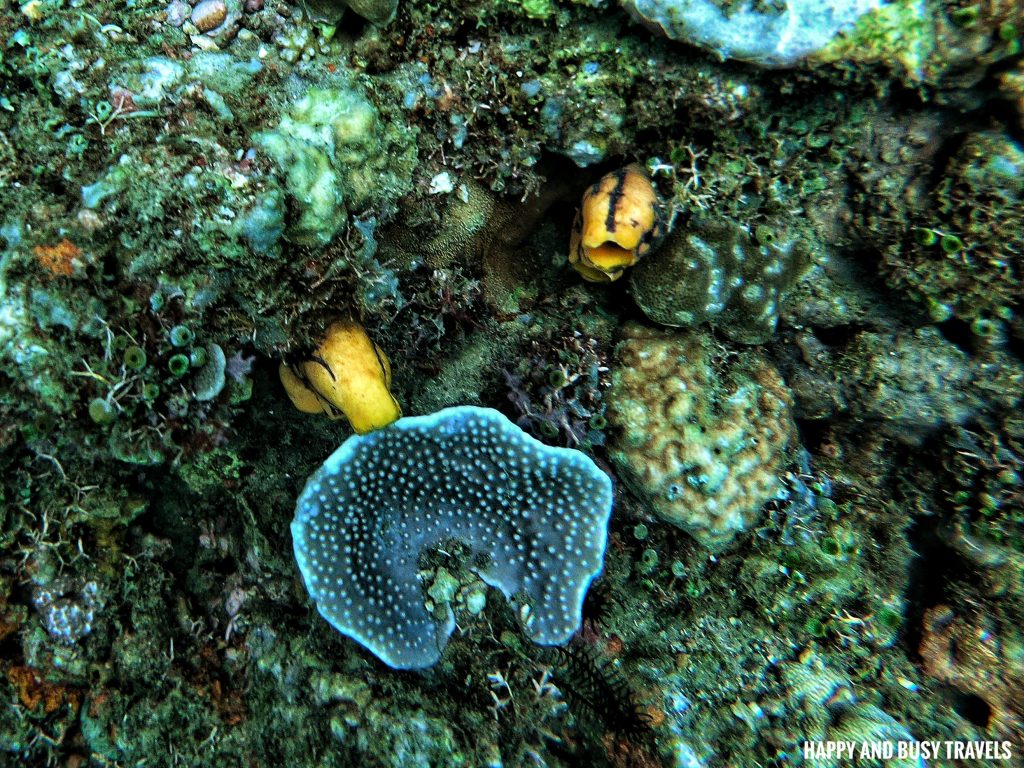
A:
<point x="178" y="365"/>
<point x="765" y="235"/>
<point x="984" y="327"/>
<point x="648" y="561"/>
<point x="101" y="411"/>
<point x="181" y="336"/>
<point x="135" y="358"/>
<point x="966" y="17"/>
<point x="951" y="244"/>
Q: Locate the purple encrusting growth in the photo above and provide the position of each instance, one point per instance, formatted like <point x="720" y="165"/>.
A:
<point x="537" y="515"/>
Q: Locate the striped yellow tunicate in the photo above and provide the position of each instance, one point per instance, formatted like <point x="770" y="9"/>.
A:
<point x="619" y="222"/>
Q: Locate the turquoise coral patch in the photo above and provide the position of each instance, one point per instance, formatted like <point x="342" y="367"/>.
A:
<point x="535" y="516"/>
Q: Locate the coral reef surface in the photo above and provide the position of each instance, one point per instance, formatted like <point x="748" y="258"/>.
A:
<point x="805" y="386"/>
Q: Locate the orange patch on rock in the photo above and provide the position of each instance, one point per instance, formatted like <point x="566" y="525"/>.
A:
<point x="34" y="692"/>
<point x="58" y="260"/>
<point x="624" y="752"/>
<point x="11" y="617"/>
<point x="655" y="716"/>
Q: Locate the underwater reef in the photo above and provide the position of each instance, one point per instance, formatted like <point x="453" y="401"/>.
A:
<point x="510" y="382"/>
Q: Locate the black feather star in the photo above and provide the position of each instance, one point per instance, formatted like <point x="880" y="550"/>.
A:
<point x="597" y="692"/>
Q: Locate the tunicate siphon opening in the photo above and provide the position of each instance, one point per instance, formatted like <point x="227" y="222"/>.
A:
<point x="181" y="336"/>
<point x="135" y="358"/>
<point x="178" y="365"/>
<point x="609" y="255"/>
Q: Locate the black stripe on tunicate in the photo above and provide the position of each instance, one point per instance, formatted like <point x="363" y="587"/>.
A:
<point x="614" y="198"/>
<point x="320" y="361"/>
<point x="380" y="362"/>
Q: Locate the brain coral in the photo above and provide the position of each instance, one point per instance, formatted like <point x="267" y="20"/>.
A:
<point x="700" y="435"/>
<point x="535" y="519"/>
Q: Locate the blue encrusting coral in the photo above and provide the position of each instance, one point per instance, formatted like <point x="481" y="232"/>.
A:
<point x="539" y="514"/>
<point x="778" y="38"/>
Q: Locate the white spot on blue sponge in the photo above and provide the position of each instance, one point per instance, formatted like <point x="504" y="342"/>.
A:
<point x="466" y="473"/>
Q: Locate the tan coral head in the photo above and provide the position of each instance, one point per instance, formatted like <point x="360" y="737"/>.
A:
<point x="347" y="374"/>
<point x="620" y="221"/>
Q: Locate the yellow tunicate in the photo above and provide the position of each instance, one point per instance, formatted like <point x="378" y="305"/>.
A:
<point x="619" y="222"/>
<point x="302" y="397"/>
<point x="347" y="373"/>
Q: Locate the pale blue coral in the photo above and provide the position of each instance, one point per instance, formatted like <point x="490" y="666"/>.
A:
<point x="534" y="518"/>
<point x="778" y="39"/>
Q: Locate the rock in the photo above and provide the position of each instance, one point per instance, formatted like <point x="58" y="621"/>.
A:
<point x="209" y="14"/>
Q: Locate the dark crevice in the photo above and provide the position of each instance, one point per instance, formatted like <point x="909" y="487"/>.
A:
<point x="813" y="433"/>
<point x="998" y="109"/>
<point x="462" y="35"/>
<point x="932" y="568"/>
<point x="1015" y="345"/>
<point x="972" y="708"/>
<point x="1011" y="118"/>
<point x="946" y="152"/>
<point x="838" y="336"/>
<point x="958" y="333"/>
